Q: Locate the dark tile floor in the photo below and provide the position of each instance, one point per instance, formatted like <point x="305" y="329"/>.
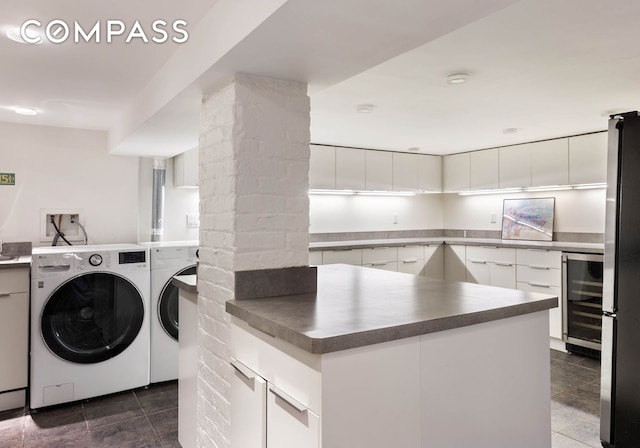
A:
<point x="575" y="401"/>
<point x="148" y="418"/>
<point x="143" y="418"/>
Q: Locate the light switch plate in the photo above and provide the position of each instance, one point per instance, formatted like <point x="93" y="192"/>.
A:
<point x="193" y="221"/>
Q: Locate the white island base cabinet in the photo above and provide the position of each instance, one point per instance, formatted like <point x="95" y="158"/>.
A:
<point x="481" y="385"/>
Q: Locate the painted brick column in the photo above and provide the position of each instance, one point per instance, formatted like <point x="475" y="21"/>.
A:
<point x="254" y="214"/>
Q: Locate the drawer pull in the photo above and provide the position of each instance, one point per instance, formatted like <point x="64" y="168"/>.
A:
<point x="5" y="294"/>
<point x="488" y="247"/>
<point x="478" y="261"/>
<point x="242" y="370"/>
<point x="379" y="263"/>
<point x="538" y="250"/>
<point x="410" y="261"/>
<point x="539" y="285"/>
<point x="540" y="268"/>
<point x="503" y="264"/>
<point x="287" y="399"/>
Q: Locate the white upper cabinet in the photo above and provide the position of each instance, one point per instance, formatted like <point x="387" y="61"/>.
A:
<point x="430" y="173"/>
<point x="588" y="159"/>
<point x="350" y="169"/>
<point x="405" y="171"/>
<point x="378" y="170"/>
<point x="483" y="169"/>
<point x="185" y="169"/>
<point x="322" y="167"/>
<point x="550" y="163"/>
<point x="455" y="170"/>
<point x="515" y="166"/>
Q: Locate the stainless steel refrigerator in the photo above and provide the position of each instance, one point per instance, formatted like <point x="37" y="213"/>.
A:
<point x="620" y="382"/>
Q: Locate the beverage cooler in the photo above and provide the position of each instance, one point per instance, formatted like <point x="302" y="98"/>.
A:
<point x="582" y="295"/>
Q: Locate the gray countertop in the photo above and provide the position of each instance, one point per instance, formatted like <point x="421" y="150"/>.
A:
<point x="564" y="246"/>
<point x="21" y="261"/>
<point x="356" y="306"/>
<point x="188" y="283"/>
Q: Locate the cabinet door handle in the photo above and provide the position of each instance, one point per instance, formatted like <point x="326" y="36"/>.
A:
<point x="5" y="294"/>
<point x="410" y="261"/>
<point x="478" y="261"/>
<point x="242" y="369"/>
<point x="488" y="247"/>
<point x="540" y="268"/>
<point x="379" y="263"/>
<point x="288" y="399"/>
<point x="538" y="250"/>
<point x="540" y="285"/>
<point x="503" y="264"/>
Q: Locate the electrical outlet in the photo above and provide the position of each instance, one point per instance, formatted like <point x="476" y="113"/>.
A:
<point x="493" y="217"/>
<point x="193" y="221"/>
<point x="395" y="218"/>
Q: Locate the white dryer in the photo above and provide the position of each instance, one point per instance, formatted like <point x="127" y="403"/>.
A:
<point x="168" y="258"/>
<point x="89" y="322"/>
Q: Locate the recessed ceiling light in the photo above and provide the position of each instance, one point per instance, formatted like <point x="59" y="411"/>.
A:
<point x="26" y="111"/>
<point x="458" y="78"/>
<point x="364" y="108"/>
<point x="510" y="131"/>
<point x="14" y="35"/>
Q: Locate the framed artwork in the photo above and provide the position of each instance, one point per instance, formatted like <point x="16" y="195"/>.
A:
<point x="528" y="219"/>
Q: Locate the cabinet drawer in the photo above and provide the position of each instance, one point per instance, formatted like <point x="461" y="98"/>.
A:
<point x="503" y="255"/>
<point x="410" y="253"/>
<point x="540" y="275"/>
<point x="503" y="275"/>
<point x="351" y="256"/>
<point x="384" y="265"/>
<point x="539" y="257"/>
<point x="289" y="423"/>
<point x="14" y="280"/>
<point x="555" y="314"/>
<point x="379" y="254"/>
<point x="315" y="258"/>
<point x="414" y="267"/>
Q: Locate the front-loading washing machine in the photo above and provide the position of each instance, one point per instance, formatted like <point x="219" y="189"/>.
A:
<point x="89" y="322"/>
<point x="168" y="258"/>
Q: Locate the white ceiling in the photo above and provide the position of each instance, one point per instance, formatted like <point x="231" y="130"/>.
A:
<point x="547" y="67"/>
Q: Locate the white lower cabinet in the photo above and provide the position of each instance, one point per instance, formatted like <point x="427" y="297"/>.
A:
<point x="454" y="263"/>
<point x="540" y="271"/>
<point x="411" y="259"/>
<point x="315" y="258"/>
<point x="493" y="266"/>
<point x="434" y="261"/>
<point x="290" y="424"/>
<point x="249" y="406"/>
<point x="347" y="256"/>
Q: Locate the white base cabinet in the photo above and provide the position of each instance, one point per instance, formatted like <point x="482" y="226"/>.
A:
<point x="480" y="385"/>
<point x="14" y="337"/>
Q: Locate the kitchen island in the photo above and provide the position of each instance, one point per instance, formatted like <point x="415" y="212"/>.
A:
<point x="379" y="359"/>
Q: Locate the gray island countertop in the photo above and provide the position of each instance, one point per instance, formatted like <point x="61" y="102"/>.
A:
<point x="356" y="306"/>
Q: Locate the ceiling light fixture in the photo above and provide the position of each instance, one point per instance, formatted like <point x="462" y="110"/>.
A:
<point x="364" y="108"/>
<point x="14" y="35"/>
<point x="457" y="78"/>
<point x="30" y="111"/>
<point x="414" y="149"/>
<point x="510" y="131"/>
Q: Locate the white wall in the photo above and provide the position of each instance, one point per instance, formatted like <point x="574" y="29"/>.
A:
<point x="334" y="213"/>
<point x="64" y="168"/>
<point x="581" y="211"/>
<point x="178" y="203"/>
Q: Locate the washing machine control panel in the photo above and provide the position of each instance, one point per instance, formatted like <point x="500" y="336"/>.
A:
<point x="95" y="260"/>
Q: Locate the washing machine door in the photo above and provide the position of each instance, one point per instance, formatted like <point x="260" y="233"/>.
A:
<point x="92" y="317"/>
<point x="168" y="305"/>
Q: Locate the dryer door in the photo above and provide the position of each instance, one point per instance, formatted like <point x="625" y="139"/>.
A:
<point x="168" y="305"/>
<point x="92" y="317"/>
